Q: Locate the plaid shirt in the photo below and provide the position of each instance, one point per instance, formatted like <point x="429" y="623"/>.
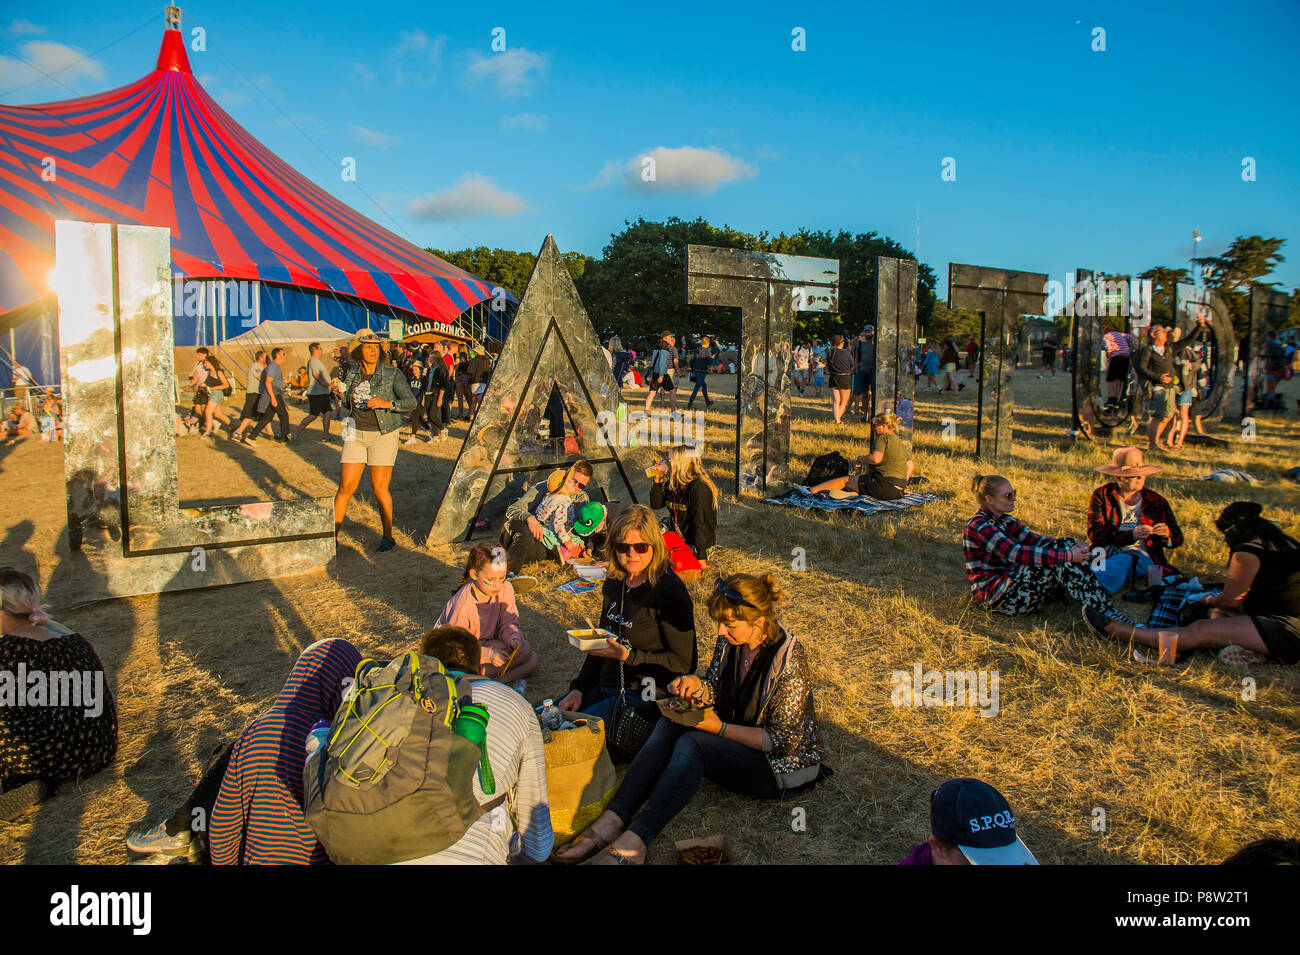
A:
<point x="995" y="546"/>
<point x="1105" y="513"/>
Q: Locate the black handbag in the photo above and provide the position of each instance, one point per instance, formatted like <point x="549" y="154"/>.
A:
<point x="629" y="729"/>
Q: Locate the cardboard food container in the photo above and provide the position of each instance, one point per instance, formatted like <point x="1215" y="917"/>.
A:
<point x="586" y="640"/>
<point x="669" y="707"/>
<point x="711" y="850"/>
<point x="589" y="571"/>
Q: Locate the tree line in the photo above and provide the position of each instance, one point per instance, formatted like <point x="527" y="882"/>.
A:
<point x="636" y="289"/>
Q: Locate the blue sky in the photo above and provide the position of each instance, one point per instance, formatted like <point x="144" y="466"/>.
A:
<point x="1064" y="156"/>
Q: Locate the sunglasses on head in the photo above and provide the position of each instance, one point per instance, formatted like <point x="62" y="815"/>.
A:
<point x="735" y="596"/>
<point x="637" y="548"/>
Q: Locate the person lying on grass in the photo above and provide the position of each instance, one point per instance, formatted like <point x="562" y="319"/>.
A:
<point x="1013" y="570"/>
<point x="888" y="468"/>
<point x="758" y="736"/>
<point x="485" y="606"/>
<point x="1259" y="608"/>
<point x="1131" y="522"/>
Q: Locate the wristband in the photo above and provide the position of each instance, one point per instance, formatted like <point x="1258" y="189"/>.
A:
<point x="723" y="728"/>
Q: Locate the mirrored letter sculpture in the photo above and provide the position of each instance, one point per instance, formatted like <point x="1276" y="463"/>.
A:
<point x="768" y="289"/>
<point x="126" y="530"/>
<point x="1216" y="347"/>
<point x="551" y="371"/>
<point x="1268" y="310"/>
<point x="1001" y="296"/>
<point x="895" y="386"/>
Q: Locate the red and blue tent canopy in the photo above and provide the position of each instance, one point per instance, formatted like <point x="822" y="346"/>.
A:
<point x="161" y="152"/>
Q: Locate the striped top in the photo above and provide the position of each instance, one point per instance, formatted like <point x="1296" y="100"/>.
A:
<point x="514" y="742"/>
<point x="258" y="817"/>
<point x="1116" y="343"/>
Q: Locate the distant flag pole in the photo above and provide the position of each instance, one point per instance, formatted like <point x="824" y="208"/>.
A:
<point x="172" y="16"/>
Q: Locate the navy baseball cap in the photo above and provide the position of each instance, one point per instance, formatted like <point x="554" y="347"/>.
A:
<point x="978" y="819"/>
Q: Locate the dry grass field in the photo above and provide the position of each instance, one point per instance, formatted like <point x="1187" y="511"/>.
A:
<point x="1184" y="768"/>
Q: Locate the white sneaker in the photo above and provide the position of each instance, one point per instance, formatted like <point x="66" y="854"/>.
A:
<point x="410" y="439"/>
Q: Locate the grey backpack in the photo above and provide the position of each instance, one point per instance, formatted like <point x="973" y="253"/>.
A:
<point x="396" y="781"/>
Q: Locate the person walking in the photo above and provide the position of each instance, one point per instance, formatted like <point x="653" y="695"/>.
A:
<point x="252" y="393"/>
<point x="272" y="402"/>
<point x="663" y="362"/>
<point x="319" y="403"/>
<point x="700" y="362"/>
<point x="841" y="365"/>
<point x="376" y="400"/>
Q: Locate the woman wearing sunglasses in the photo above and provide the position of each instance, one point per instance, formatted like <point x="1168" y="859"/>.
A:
<point x="759" y="735"/>
<point x="649" y="610"/>
<point x="1015" y="571"/>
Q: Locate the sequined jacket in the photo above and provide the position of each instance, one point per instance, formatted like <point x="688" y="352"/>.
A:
<point x="792" y="741"/>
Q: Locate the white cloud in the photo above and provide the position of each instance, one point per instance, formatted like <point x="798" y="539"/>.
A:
<point x="472" y="195"/>
<point x="21" y="27"/>
<point x="530" y="121"/>
<point x="512" y="73"/>
<point x="675" y="169"/>
<point x="363" y="75"/>
<point x="66" y="64"/>
<point x="374" y="138"/>
<point x="416" y="58"/>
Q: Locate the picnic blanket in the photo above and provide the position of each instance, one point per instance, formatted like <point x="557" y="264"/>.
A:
<point x="800" y="497"/>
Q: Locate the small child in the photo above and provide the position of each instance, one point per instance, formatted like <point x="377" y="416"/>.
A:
<point x="557" y="514"/>
<point x="588" y="519"/>
<point x="819" y="374"/>
<point x="485" y="606"/>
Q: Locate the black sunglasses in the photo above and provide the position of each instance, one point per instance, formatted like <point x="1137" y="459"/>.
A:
<point x="625" y="549"/>
<point x="734" y="596"/>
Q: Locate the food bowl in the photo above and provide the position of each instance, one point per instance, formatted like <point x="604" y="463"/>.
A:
<point x="683" y="711"/>
<point x="586" y="640"/>
<point x="591" y="571"/>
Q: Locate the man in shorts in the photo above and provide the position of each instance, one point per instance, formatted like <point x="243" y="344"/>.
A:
<point x="1119" y="349"/>
<point x="320" y="402"/>
<point x="252" y="393"/>
<point x="1156" y="365"/>
<point x="663" y="362"/>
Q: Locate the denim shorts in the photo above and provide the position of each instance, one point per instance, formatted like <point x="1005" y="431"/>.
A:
<point x="1186" y="397"/>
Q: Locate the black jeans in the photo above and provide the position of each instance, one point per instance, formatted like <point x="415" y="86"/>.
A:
<point x="701" y="384"/>
<point x="522" y="547"/>
<point x="203" y="798"/>
<point x="663" y="778"/>
<point x="281" y="410"/>
<point x="448" y="394"/>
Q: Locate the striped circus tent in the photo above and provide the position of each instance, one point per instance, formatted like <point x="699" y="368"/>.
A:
<point x="161" y="152"/>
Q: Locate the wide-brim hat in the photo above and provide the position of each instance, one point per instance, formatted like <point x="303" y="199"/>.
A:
<point x="365" y="338"/>
<point x="1127" y="462"/>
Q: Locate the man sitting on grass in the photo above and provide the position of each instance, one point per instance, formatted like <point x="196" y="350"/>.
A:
<point x="1131" y="522"/>
<point x="520" y="829"/>
<point x="970" y="824"/>
<point x="19" y="424"/>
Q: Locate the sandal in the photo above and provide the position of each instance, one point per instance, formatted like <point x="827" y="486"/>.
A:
<point x="618" y="859"/>
<point x="597" y="844"/>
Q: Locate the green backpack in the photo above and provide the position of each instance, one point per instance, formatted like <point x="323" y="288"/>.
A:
<point x="396" y="780"/>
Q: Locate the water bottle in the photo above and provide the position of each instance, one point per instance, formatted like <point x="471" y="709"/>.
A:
<point x="318" y="737"/>
<point x="551" y="717"/>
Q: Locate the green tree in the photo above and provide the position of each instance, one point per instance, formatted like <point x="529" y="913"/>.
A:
<point x="1247" y="261"/>
<point x="1163" y="279"/>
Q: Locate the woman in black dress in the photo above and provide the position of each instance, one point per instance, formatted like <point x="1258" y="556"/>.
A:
<point x="58" y="720"/>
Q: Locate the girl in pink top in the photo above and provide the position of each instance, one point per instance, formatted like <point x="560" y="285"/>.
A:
<point x="485" y="606"/>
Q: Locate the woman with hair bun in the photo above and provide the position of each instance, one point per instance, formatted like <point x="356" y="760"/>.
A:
<point x="69" y="730"/>
<point x="1258" y="610"/>
<point x="758" y="734"/>
<point x="888" y="468"/>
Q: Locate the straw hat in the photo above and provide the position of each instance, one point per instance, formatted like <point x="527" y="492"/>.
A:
<point x="364" y="337"/>
<point x="1127" y="462"/>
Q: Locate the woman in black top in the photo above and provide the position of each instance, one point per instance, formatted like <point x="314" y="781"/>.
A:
<point x="218" y="386"/>
<point x="691" y="497"/>
<point x="1259" y="608"/>
<point x="67" y="731"/>
<point x="649" y="609"/>
<point x="841" y="365"/>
